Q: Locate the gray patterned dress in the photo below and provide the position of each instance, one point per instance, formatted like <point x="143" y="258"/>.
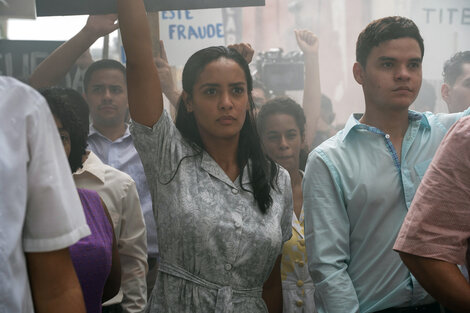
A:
<point x="217" y="249"/>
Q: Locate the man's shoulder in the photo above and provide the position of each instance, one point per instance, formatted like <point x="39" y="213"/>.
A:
<point x="336" y="145"/>
<point x="459" y="135"/>
<point x="442" y="120"/>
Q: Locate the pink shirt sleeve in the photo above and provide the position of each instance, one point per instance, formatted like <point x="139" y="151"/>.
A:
<point x="437" y="225"/>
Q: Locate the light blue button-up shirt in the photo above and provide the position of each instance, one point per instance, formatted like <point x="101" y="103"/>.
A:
<point x="356" y="195"/>
<point x="122" y="155"/>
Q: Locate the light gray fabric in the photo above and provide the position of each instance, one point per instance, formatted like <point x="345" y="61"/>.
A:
<point x="207" y="225"/>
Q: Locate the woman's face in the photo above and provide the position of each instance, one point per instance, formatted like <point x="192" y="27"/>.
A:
<point x="282" y="140"/>
<point x="64" y="136"/>
<point x="219" y="100"/>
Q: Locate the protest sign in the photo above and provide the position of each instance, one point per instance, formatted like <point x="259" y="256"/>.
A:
<point x="74" y="7"/>
<point x="184" y="32"/>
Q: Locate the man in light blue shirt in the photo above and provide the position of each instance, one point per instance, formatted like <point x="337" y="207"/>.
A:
<point x="111" y="141"/>
<point x="359" y="184"/>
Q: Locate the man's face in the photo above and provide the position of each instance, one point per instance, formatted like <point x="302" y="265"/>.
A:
<point x="457" y="96"/>
<point x="392" y="75"/>
<point x="106" y="95"/>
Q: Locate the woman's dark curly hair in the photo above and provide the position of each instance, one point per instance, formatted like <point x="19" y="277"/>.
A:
<point x="60" y="104"/>
<point x="262" y="171"/>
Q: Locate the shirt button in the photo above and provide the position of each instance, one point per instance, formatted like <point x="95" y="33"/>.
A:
<point x="234" y="191"/>
<point x="387" y="136"/>
<point x="300" y="283"/>
<point x="228" y="267"/>
<point x="299" y="303"/>
<point x="238" y="224"/>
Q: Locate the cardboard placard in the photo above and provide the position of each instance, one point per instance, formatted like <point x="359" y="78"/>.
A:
<point x="185" y="32"/>
<point x="77" y="7"/>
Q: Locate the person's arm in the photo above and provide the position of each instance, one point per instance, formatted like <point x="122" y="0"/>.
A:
<point x="54" y="283"/>
<point x="444" y="281"/>
<point x="434" y="235"/>
<point x="133" y="253"/>
<point x="272" y="289"/>
<point x="311" y="103"/>
<point x="327" y="239"/>
<point x="166" y="77"/>
<point x="143" y="84"/>
<point x="54" y="68"/>
<point x="113" y="283"/>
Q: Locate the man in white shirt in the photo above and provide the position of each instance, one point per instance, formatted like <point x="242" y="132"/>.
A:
<point x="40" y="211"/>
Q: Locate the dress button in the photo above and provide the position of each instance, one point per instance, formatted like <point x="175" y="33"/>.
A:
<point x="238" y="224"/>
<point x="228" y="267"/>
<point x="299" y="303"/>
<point x="387" y="136"/>
<point x="234" y="191"/>
<point x="300" y="283"/>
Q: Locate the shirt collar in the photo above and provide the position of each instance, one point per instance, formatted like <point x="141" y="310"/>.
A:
<point x="95" y="132"/>
<point x="209" y="165"/>
<point x="353" y="122"/>
<point x="94" y="166"/>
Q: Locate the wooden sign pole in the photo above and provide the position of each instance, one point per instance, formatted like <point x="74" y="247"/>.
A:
<point x="154" y="24"/>
<point x="105" y="54"/>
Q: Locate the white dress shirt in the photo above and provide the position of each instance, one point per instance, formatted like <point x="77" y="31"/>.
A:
<point x="39" y="206"/>
<point x="119" y="193"/>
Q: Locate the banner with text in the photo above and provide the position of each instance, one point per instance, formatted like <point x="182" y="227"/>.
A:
<point x="445" y="27"/>
<point x="77" y="7"/>
<point x="185" y="32"/>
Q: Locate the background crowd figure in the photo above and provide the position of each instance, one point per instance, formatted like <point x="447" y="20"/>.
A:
<point x="259" y="204"/>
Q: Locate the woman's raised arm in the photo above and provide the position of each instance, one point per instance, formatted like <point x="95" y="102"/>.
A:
<point x="143" y="84"/>
<point x="308" y="43"/>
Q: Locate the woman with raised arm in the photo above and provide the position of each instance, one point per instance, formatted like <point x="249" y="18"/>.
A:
<point x="223" y="210"/>
<point x="284" y="130"/>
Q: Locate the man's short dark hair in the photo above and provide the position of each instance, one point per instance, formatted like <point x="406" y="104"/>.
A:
<point x="384" y="29"/>
<point x="453" y="67"/>
<point x="106" y="64"/>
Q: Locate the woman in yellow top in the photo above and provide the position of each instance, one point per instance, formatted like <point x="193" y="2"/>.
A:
<point x="281" y="124"/>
